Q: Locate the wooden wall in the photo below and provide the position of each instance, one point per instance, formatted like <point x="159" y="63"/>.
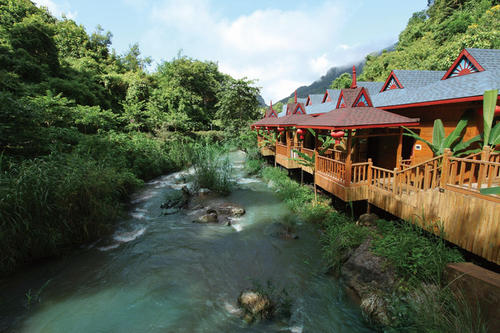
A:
<point x="449" y="114"/>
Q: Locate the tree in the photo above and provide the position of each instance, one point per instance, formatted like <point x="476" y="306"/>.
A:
<point x="342" y="82"/>
<point x="237" y="104"/>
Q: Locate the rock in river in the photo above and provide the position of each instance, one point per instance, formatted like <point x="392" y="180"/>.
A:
<point x="255" y="305"/>
<point x="230" y="209"/>
<point x="209" y="217"/>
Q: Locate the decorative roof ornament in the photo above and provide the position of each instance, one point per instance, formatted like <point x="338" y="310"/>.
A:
<point x="392" y="82"/>
<point x="354" y="83"/>
<point x="463" y="65"/>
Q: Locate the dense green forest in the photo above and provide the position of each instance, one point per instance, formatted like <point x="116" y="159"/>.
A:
<point x="434" y="37"/>
<point x="81" y="126"/>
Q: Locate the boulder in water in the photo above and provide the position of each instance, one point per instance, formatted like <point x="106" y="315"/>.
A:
<point x="177" y="199"/>
<point x="210" y="217"/>
<point x="256" y="306"/>
<point x="230" y="209"/>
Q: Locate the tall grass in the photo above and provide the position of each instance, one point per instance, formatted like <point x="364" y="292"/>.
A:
<point x="50" y="203"/>
<point x="212" y="168"/>
<point x="415" y="255"/>
<point x="63" y="199"/>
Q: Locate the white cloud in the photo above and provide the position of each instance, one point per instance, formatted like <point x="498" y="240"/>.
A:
<point x="58" y="10"/>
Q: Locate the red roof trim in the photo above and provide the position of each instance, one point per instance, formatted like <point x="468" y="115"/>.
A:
<point x="299" y="106"/>
<point x="362" y="126"/>
<point x="340" y="98"/>
<point x="367" y="97"/>
<point x="384" y="87"/>
<point x="325" y="96"/>
<point x="308" y="100"/>
<point x="442" y="101"/>
<point x="455" y="63"/>
<point x="273" y="112"/>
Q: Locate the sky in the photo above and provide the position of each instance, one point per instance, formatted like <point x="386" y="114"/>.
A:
<point x="282" y="44"/>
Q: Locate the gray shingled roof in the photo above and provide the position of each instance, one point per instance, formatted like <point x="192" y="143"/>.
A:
<point x="321" y="108"/>
<point x="316" y="98"/>
<point x="415" y="79"/>
<point x="457" y="87"/>
<point x="334" y="95"/>
<point x="488" y="59"/>
<point x="372" y="87"/>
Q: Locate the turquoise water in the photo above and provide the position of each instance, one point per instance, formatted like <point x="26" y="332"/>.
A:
<point x="160" y="273"/>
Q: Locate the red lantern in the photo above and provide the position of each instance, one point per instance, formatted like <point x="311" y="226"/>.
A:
<point x="300" y="131"/>
<point x="337" y="135"/>
<point x="301" y="137"/>
<point x="281" y="129"/>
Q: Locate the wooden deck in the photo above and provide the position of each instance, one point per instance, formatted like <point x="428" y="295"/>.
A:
<point x="440" y="195"/>
<point x="285" y="156"/>
<point x="265" y="149"/>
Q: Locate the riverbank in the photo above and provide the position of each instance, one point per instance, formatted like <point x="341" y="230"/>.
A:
<point x="166" y="273"/>
<point x="395" y="269"/>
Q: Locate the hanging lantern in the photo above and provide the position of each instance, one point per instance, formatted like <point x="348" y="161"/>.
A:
<point x="280" y="129"/>
<point x="301" y="137"/>
<point x="300" y="131"/>
<point x="337" y="135"/>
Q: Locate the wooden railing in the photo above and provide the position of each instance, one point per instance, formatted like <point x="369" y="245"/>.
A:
<point x="337" y="155"/>
<point x="470" y="175"/>
<point x="307" y="151"/>
<point x="282" y="149"/>
<point x="361" y="172"/>
<point x="422" y="176"/>
<point x="332" y="168"/>
<point x="293" y="152"/>
<point x="382" y="178"/>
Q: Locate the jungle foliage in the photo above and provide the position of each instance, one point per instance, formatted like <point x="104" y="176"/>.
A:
<point x="434" y="37"/>
<point x="81" y="126"/>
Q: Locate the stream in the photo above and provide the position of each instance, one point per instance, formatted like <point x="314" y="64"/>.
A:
<point x="163" y="273"/>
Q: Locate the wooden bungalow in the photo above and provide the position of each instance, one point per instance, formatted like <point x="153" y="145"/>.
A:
<point x="376" y="163"/>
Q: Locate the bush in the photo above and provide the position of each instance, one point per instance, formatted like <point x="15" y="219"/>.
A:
<point x="341" y="235"/>
<point x="212" y="169"/>
<point x="253" y="166"/>
<point x="416" y="255"/>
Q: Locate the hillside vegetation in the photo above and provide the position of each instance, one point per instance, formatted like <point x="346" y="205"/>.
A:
<point x="434" y="37"/>
<point x="81" y="126"/>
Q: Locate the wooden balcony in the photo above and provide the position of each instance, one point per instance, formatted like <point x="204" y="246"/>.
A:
<point x="265" y="149"/>
<point x="347" y="184"/>
<point x="441" y="195"/>
<point x="285" y="156"/>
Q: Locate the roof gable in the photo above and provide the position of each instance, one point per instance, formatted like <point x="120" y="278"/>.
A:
<point x="341" y="102"/>
<point x="463" y="65"/>
<point x="363" y="99"/>
<point x="392" y="82"/>
<point x="299" y="109"/>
